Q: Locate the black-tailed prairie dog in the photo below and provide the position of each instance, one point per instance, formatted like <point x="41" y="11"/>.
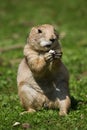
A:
<point x="42" y="77"/>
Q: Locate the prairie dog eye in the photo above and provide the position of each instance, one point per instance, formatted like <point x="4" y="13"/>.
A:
<point x="39" y="31"/>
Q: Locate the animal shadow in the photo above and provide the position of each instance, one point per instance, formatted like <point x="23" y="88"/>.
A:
<point x="76" y="103"/>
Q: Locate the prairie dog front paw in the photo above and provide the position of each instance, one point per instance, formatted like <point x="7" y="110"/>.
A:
<point x="56" y="54"/>
<point x="49" y="56"/>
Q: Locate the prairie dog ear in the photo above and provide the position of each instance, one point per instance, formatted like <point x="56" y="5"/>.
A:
<point x="31" y="34"/>
<point x="33" y="30"/>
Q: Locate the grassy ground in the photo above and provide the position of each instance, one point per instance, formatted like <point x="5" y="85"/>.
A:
<point x="70" y="18"/>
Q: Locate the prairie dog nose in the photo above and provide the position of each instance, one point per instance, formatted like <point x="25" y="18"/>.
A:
<point x="52" y="39"/>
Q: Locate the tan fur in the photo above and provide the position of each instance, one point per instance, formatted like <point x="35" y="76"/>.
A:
<point x="42" y="77"/>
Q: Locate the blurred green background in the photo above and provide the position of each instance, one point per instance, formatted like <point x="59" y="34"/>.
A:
<point x="69" y="17"/>
<point x="18" y="16"/>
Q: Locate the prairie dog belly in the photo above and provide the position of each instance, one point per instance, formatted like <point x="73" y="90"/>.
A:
<point x="36" y="99"/>
<point x="36" y="92"/>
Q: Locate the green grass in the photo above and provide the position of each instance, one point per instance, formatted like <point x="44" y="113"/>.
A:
<point x="16" y="19"/>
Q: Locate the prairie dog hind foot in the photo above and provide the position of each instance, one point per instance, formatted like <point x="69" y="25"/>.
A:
<point x="30" y="110"/>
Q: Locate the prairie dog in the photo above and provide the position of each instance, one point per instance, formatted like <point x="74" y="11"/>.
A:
<point x="42" y="77"/>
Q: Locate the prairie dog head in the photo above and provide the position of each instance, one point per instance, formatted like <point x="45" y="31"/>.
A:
<point x="43" y="38"/>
